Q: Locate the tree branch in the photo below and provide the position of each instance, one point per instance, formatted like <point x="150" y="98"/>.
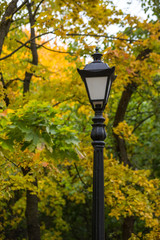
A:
<point x="40" y="45"/>
<point x="142" y="121"/>
<point x="20" y="6"/>
<point x="85" y="185"/>
<point x="104" y="36"/>
<point x="11" y="162"/>
<point x="12" y="80"/>
<point x="52" y="32"/>
<point x="34" y="14"/>
<point x="24" y="44"/>
<point x="56" y="50"/>
<point x="67" y="99"/>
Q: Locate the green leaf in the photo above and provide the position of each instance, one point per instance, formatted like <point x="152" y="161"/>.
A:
<point x="29" y="137"/>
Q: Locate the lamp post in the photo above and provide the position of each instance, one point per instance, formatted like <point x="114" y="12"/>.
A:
<point x="98" y="77"/>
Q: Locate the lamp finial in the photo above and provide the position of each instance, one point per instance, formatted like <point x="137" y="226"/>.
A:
<point x="97" y="49"/>
<point x="97" y="56"/>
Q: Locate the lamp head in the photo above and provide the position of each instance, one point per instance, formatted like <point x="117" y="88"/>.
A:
<point x="98" y="78"/>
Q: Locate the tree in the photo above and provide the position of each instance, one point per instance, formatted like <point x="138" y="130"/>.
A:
<point x="38" y="72"/>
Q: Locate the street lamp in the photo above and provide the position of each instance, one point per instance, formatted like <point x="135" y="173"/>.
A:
<point x="98" y="77"/>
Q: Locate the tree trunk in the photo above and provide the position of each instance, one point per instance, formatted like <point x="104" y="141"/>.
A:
<point x="127" y="228"/>
<point x="28" y="75"/>
<point x="33" y="227"/>
<point x="6" y="99"/>
<point x="121" y="149"/>
<point x="27" y="81"/>
<point x="6" y="21"/>
<point x="4" y="29"/>
<point x="119" y="117"/>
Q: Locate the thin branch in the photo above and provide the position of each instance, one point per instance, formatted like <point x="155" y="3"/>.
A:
<point x="104" y="36"/>
<point x="12" y="29"/>
<point x="56" y="50"/>
<point x="2" y="80"/>
<point x="85" y="185"/>
<point x="24" y="44"/>
<point x="56" y="104"/>
<point x="9" y="55"/>
<point x="12" y="80"/>
<point x="37" y="45"/>
<point x="11" y="161"/>
<point x="37" y="8"/>
<point x="109" y="147"/>
<point x="40" y="45"/>
<point x="142" y="121"/>
<point x="20" y="6"/>
<point x="74" y="34"/>
<point x="38" y="76"/>
<point x="131" y="117"/>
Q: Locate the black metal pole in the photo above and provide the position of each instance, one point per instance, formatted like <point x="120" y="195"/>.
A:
<point x="98" y="136"/>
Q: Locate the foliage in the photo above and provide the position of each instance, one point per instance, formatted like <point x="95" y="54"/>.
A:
<point x="45" y="130"/>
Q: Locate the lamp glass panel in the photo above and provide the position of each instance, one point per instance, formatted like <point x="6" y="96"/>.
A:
<point x="108" y="90"/>
<point x="97" y="87"/>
